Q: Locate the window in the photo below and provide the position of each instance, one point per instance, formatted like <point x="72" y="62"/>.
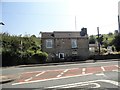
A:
<point x="74" y="43"/>
<point x="49" y="43"/>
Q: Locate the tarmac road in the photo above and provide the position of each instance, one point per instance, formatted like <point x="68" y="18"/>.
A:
<point x="85" y="75"/>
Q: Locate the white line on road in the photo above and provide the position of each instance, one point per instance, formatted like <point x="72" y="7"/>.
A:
<point x="28" y="79"/>
<point x="103" y="68"/>
<point x="50" y="79"/>
<point x="66" y="70"/>
<point x="35" y="75"/>
<point x="83" y="70"/>
<point x="76" y="85"/>
<point x="40" y="74"/>
<point x="46" y="70"/>
<point x="116" y="70"/>
<point x="117" y="66"/>
<point x="62" y="73"/>
<point x="101" y="74"/>
<point x="86" y="83"/>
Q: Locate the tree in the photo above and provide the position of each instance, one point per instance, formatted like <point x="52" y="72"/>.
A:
<point x="19" y="50"/>
<point x="100" y="40"/>
<point x="116" y="42"/>
<point x="110" y="33"/>
<point x="116" y="32"/>
<point x="92" y="40"/>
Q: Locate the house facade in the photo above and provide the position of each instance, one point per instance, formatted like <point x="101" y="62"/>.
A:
<point x="64" y="44"/>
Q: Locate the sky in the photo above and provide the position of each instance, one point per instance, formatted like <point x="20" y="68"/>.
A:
<point x="34" y="16"/>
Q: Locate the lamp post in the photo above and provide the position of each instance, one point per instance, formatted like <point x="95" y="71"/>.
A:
<point x="1" y="23"/>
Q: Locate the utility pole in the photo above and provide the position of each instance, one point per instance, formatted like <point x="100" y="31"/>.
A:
<point x="75" y="24"/>
<point x="118" y="24"/>
<point x="98" y="40"/>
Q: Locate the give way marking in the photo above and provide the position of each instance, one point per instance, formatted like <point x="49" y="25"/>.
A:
<point x="86" y="83"/>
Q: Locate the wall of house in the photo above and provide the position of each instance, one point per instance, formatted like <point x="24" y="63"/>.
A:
<point x="63" y="45"/>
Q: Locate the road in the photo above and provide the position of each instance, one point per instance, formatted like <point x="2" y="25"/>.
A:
<point x="81" y="75"/>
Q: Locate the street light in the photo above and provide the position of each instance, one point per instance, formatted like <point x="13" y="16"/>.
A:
<point x="1" y="23"/>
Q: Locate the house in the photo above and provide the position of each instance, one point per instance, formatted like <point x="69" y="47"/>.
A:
<point x="65" y="44"/>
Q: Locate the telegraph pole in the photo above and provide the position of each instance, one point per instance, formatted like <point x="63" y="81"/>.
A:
<point x="118" y="24"/>
<point x="98" y="40"/>
<point x="75" y="24"/>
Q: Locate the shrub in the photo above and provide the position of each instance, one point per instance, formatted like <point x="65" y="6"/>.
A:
<point x="9" y="58"/>
<point x="39" y="57"/>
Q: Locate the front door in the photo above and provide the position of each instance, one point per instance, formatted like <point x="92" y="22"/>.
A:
<point x="61" y="55"/>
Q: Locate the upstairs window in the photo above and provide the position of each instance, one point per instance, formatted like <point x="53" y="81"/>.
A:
<point x="74" y="43"/>
<point x="49" y="43"/>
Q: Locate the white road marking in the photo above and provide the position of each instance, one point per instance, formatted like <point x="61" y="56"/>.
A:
<point x="86" y="83"/>
<point x="40" y="74"/>
<point x="62" y="73"/>
<point x="101" y="74"/>
<point x="40" y="71"/>
<point x="102" y="68"/>
<point x="50" y="79"/>
<point x="35" y="75"/>
<point x="66" y="70"/>
<point x="116" y="70"/>
<point x="70" y="68"/>
<point x="28" y="79"/>
<point x="83" y="70"/>
<point x="77" y="85"/>
<point x="47" y="70"/>
<point x="59" y="75"/>
<point x="97" y="85"/>
<point x="117" y="66"/>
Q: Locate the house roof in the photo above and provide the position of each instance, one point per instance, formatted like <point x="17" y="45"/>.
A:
<point x="62" y="34"/>
<point x="66" y="34"/>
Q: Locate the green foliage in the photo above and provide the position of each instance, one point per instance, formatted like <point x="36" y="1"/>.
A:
<point x="116" y="42"/>
<point x="42" y="55"/>
<point x="20" y="50"/>
<point x="92" y="39"/>
<point x="100" y="39"/>
<point x="110" y="34"/>
<point x="110" y="39"/>
<point x="105" y="39"/>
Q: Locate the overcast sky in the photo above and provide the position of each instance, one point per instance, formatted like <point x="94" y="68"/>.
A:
<point x="33" y="16"/>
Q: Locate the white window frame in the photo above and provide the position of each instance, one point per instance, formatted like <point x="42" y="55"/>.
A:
<point x="51" y="43"/>
<point x="74" y="43"/>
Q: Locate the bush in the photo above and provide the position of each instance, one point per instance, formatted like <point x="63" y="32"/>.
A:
<point x="116" y="42"/>
<point x="9" y="58"/>
<point x="39" y="57"/>
<point x="17" y="50"/>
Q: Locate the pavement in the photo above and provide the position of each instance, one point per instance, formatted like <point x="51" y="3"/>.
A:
<point x="10" y="78"/>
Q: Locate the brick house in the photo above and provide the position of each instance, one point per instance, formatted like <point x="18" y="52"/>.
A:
<point x="65" y="44"/>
